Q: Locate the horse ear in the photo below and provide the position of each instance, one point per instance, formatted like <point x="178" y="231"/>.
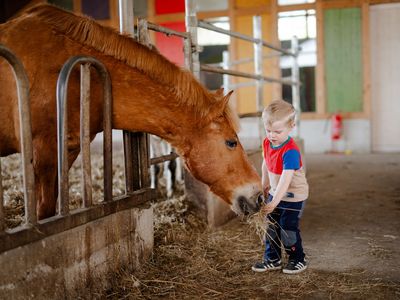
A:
<point x="223" y="103"/>
<point x="219" y="93"/>
<point x="226" y="98"/>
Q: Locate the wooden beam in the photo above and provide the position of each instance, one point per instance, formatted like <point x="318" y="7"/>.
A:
<point x="77" y="6"/>
<point x="320" y="67"/>
<point x="304" y="6"/>
<point x="276" y="68"/>
<point x="341" y="4"/>
<point x="366" y="57"/>
<point x="202" y="15"/>
<point x="258" y="10"/>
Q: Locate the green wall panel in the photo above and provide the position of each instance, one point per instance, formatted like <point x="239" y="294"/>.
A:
<point x="343" y="63"/>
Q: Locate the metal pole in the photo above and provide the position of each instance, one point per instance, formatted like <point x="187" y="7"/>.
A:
<point x="85" y="136"/>
<point x="241" y="36"/>
<point x="144" y="145"/>
<point x="62" y="128"/>
<point x="126" y="17"/>
<point x="25" y="134"/>
<point x="225" y="65"/>
<point x="296" y="83"/>
<point x="126" y="25"/>
<point x="258" y="68"/>
<point x="2" y="220"/>
<point x="191" y="27"/>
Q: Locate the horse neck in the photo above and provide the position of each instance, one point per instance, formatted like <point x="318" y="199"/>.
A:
<point x="140" y="104"/>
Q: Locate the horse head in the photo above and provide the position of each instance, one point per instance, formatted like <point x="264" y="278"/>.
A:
<point x="213" y="154"/>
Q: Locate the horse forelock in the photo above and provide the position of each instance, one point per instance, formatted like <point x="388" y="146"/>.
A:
<point x="187" y="90"/>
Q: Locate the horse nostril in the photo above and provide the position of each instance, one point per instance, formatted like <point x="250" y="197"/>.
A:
<point x="260" y="200"/>
<point x="243" y="205"/>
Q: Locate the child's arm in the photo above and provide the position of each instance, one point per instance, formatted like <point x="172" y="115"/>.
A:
<point x="281" y="190"/>
<point x="264" y="178"/>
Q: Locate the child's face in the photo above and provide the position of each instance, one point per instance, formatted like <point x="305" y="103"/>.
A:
<point x="278" y="132"/>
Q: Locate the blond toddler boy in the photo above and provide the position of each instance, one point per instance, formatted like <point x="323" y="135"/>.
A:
<point x="285" y="189"/>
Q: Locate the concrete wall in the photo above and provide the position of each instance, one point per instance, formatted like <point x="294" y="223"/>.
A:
<point x="76" y="263"/>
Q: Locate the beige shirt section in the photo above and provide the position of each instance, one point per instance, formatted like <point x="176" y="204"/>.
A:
<point x="298" y="186"/>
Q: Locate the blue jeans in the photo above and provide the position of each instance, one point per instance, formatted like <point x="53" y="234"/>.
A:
<point x="284" y="229"/>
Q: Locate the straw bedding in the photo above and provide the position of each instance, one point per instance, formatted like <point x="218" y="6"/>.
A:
<point x="192" y="261"/>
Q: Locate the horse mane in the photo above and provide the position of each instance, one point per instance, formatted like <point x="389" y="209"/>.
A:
<point x="188" y="91"/>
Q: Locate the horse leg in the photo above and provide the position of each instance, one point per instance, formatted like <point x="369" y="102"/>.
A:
<point x="172" y="169"/>
<point x="157" y="171"/>
<point x="46" y="180"/>
<point x="45" y="170"/>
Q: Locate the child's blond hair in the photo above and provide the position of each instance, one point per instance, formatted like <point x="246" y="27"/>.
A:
<point x="279" y="110"/>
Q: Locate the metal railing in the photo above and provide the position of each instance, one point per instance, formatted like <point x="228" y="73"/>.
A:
<point x="22" y="235"/>
<point x="24" y="114"/>
<point x="191" y="54"/>
<point x="62" y="130"/>
<point x="192" y="23"/>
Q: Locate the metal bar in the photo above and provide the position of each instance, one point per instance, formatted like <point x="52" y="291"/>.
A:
<point x="62" y="146"/>
<point x="251" y="59"/>
<point x="2" y="216"/>
<point x="144" y="161"/>
<point x="126" y="25"/>
<point x="126" y="17"/>
<point x="107" y="130"/>
<point x="296" y="88"/>
<point x="25" y="134"/>
<point x="85" y="136"/>
<point x="62" y="128"/>
<point x="225" y="66"/>
<point x="191" y="27"/>
<point x="163" y="158"/>
<point x="128" y="160"/>
<point x="187" y="50"/>
<point x="144" y="151"/>
<point x="166" y="30"/>
<point x="251" y="115"/>
<point x="135" y="161"/>
<point x="241" y="36"/>
<point x="258" y="69"/>
<point x="207" y="68"/>
<point x="241" y="84"/>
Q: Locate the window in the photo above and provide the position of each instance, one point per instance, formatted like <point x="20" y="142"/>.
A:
<point x="209" y="37"/>
<point x="301" y="23"/>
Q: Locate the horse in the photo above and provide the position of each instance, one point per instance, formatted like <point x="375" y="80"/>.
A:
<point x="150" y="94"/>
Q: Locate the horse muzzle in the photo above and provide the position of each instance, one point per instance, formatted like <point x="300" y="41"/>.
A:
<point x="248" y="206"/>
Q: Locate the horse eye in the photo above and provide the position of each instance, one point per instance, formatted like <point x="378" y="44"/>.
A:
<point x="231" y="143"/>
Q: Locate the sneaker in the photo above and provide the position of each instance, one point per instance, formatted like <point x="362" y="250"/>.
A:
<point x="294" y="267"/>
<point x="267" y="266"/>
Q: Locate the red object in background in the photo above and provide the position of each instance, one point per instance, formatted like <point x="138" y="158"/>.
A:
<point x="169" y="6"/>
<point x="337" y="126"/>
<point x="172" y="47"/>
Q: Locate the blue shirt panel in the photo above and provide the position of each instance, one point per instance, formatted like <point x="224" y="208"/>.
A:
<point x="291" y="160"/>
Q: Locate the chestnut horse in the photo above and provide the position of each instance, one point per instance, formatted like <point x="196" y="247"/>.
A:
<point x="150" y="94"/>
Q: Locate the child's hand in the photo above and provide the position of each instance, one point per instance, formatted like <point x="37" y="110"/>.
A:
<point x="266" y="192"/>
<point x="268" y="208"/>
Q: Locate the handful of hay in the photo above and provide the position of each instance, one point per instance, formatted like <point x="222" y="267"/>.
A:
<point x="259" y="222"/>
